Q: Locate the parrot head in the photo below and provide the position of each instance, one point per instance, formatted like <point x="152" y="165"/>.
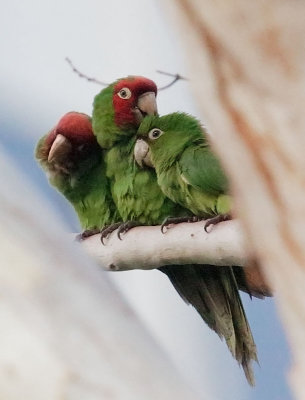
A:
<point x="119" y="109"/>
<point x="133" y="99"/>
<point x="165" y="137"/>
<point x="69" y="141"/>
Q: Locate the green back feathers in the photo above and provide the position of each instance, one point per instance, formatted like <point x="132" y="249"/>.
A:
<point x="103" y="118"/>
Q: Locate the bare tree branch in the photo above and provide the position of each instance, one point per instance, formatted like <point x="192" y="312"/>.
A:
<point x="147" y="248"/>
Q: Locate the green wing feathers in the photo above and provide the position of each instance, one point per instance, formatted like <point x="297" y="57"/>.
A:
<point x="202" y="169"/>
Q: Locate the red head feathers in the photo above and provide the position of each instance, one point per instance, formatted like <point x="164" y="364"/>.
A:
<point x="133" y="98"/>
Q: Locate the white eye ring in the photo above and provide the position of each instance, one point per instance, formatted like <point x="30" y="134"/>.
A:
<point x="155" y="134"/>
<point x="124" y="93"/>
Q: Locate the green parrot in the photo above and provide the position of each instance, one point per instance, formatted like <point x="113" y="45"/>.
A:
<point x="75" y="166"/>
<point x="117" y="112"/>
<point x="188" y="171"/>
<point x="190" y="174"/>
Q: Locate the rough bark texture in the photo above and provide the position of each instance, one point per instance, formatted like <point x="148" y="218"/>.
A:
<point x="246" y="63"/>
<point x="65" y="332"/>
<point x="147" y="248"/>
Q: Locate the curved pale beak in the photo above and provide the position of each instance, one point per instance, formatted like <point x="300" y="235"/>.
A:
<point x="146" y="105"/>
<point x="142" y="154"/>
<point x="59" y="149"/>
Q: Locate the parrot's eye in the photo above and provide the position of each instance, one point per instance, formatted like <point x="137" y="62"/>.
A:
<point x="155" y="134"/>
<point x="124" y="93"/>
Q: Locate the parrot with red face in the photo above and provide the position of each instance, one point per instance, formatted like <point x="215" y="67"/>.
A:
<point x="117" y="112"/>
<point x="213" y="292"/>
<point x="74" y="163"/>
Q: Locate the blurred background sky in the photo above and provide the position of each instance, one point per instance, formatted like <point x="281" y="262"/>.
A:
<point x="109" y="40"/>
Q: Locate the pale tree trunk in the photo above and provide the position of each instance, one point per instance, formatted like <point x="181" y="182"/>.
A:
<point x="246" y="65"/>
<point x="65" y="332"/>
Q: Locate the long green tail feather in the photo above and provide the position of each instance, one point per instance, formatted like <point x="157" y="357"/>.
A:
<point x="213" y="292"/>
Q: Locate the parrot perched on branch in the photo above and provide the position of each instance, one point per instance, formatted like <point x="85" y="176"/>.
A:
<point x="188" y="171"/>
<point x="117" y="112"/>
<point x="73" y="160"/>
<point x="190" y="174"/>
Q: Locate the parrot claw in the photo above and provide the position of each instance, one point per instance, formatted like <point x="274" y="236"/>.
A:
<point x="87" y="233"/>
<point x="107" y="230"/>
<point x="178" y="220"/>
<point x="126" y="226"/>
<point x="216" y="220"/>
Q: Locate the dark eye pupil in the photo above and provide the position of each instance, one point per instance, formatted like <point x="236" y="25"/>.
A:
<point x="123" y="93"/>
<point x="155" y="133"/>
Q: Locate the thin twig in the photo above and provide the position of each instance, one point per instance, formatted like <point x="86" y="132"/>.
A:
<point x="81" y="75"/>
<point x="176" y="77"/>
